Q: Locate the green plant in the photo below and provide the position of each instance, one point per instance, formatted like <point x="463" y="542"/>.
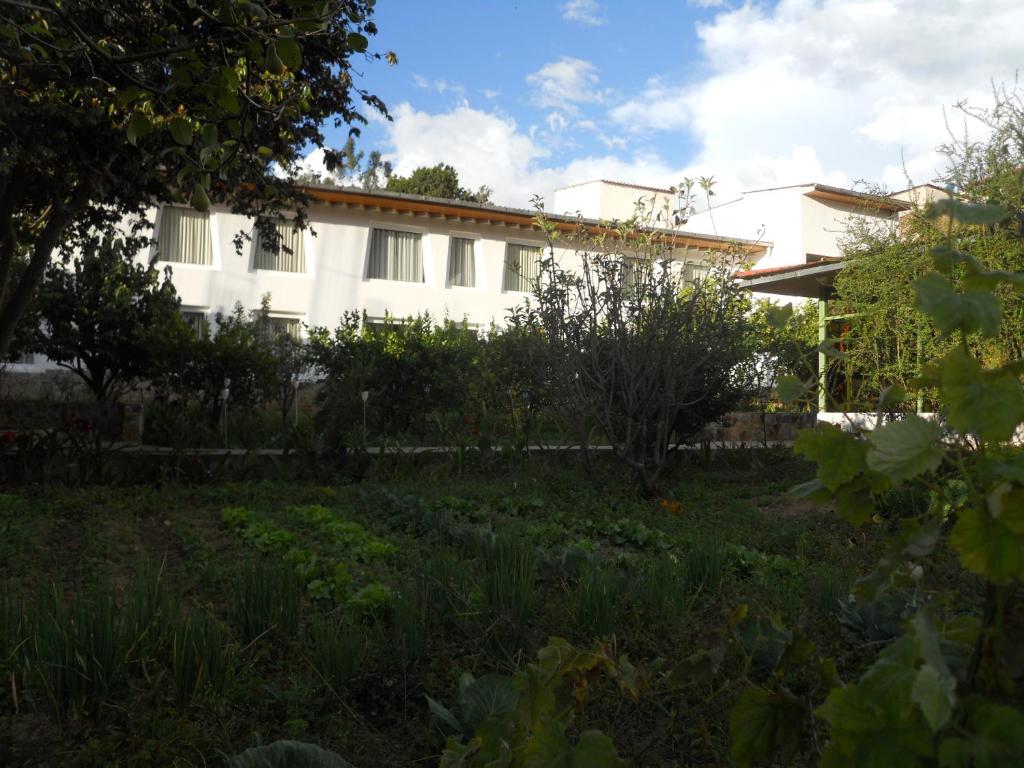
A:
<point x="287" y="754"/>
<point x="667" y="592"/>
<point x="527" y="720"/>
<point x="77" y="651"/>
<point x="943" y="692"/>
<point x="509" y="566"/>
<point x="201" y="657"/>
<point x="596" y="602"/>
<point x="265" y="597"/>
<point x="705" y="561"/>
<point x="372" y="599"/>
<point x="338" y="650"/>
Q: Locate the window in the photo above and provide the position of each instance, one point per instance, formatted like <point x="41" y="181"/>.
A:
<point x="273" y="328"/>
<point x="185" y="236"/>
<point x="396" y="256"/>
<point x="461" y="262"/>
<point x="290" y="255"/>
<point x="693" y="272"/>
<point x="522" y="267"/>
<point x="196" y="320"/>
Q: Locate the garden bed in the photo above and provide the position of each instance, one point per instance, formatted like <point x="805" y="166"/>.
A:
<point x="243" y="613"/>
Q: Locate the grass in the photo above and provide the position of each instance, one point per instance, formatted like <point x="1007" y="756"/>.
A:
<point x="142" y="629"/>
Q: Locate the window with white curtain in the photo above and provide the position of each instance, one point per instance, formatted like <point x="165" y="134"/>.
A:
<point x="196" y="320"/>
<point x="396" y="256"/>
<point x="273" y="328"/>
<point x="461" y="262"/>
<point x="290" y="255"/>
<point x="522" y="267"/>
<point x="185" y="236"/>
<point x="692" y="272"/>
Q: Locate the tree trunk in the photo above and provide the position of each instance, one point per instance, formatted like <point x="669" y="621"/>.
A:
<point x="16" y="302"/>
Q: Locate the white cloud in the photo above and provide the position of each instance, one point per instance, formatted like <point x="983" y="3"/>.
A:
<point x="564" y="83"/>
<point x="863" y="82"/>
<point x="586" y="12"/>
<point x="441" y="86"/>
<point x="490" y="148"/>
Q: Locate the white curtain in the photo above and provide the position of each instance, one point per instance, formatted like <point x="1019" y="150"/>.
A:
<point x="185" y="236"/>
<point x="196" y="321"/>
<point x="290" y="255"/>
<point x="396" y="256"/>
<point x="693" y="272"/>
<point x="461" y="262"/>
<point x="522" y="267"/>
<point x="274" y="327"/>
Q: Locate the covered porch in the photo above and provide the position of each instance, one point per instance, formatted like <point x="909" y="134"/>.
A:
<point x="814" y="280"/>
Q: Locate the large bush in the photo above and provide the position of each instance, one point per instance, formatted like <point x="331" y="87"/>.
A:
<point x="410" y="369"/>
<point x="633" y="348"/>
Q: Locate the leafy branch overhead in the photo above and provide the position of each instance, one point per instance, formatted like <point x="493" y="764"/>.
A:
<point x="107" y="108"/>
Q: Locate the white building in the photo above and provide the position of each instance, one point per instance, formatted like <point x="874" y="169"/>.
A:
<point x="373" y="251"/>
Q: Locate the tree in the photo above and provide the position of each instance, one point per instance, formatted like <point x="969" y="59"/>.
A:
<point x="437" y="181"/>
<point x="631" y="348"/>
<point x="110" y="106"/>
<point x="103" y="317"/>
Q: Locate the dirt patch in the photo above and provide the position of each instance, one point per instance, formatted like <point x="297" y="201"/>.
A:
<point x="788" y="508"/>
<point x="157" y="538"/>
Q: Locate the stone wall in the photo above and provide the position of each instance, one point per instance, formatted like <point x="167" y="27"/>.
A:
<point x="756" y="427"/>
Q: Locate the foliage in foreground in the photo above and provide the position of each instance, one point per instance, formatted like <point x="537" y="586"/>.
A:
<point x="946" y="692"/>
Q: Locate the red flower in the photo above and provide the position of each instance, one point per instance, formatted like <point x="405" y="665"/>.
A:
<point x="474" y="431"/>
<point x="8" y="437"/>
<point x="465" y="419"/>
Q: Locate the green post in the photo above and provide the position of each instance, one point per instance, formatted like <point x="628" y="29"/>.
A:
<point x="920" y="355"/>
<point x="822" y="359"/>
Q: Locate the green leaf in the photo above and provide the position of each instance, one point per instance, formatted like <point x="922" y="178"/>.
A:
<point x="287" y="754"/>
<point x="762" y="723"/>
<point x="596" y="750"/>
<point x="989" y="545"/>
<point x="210" y="135"/>
<point x="966" y="213"/>
<point x="778" y="316"/>
<point x="181" y="130"/>
<point x="489" y="696"/>
<point x="289" y="52"/>
<point x="935" y="695"/>
<point x="200" y="201"/>
<point x="987" y="403"/>
<point x="790" y="388"/>
<point x="138" y="126"/>
<point x="854" y="503"/>
<point x="873" y="723"/>
<point x="839" y="455"/>
<point x="444" y="715"/>
<point x="356" y="42"/>
<point x="273" y="64"/>
<point x="995" y="739"/>
<point x="906" y="448"/>
<point x="970" y="312"/>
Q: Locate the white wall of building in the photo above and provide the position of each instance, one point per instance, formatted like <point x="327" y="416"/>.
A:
<point x="611" y="200"/>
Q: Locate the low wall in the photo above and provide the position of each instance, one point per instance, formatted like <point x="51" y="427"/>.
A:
<point x="752" y="427"/>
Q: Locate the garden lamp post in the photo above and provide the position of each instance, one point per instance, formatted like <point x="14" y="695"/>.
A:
<point x="224" y="394"/>
<point x="365" y="394"/>
<point x="295" y="399"/>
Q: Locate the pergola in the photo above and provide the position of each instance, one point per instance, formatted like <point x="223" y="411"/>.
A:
<point x="808" y="281"/>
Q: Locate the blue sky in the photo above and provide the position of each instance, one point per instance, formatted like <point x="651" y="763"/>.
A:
<point x="528" y="96"/>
